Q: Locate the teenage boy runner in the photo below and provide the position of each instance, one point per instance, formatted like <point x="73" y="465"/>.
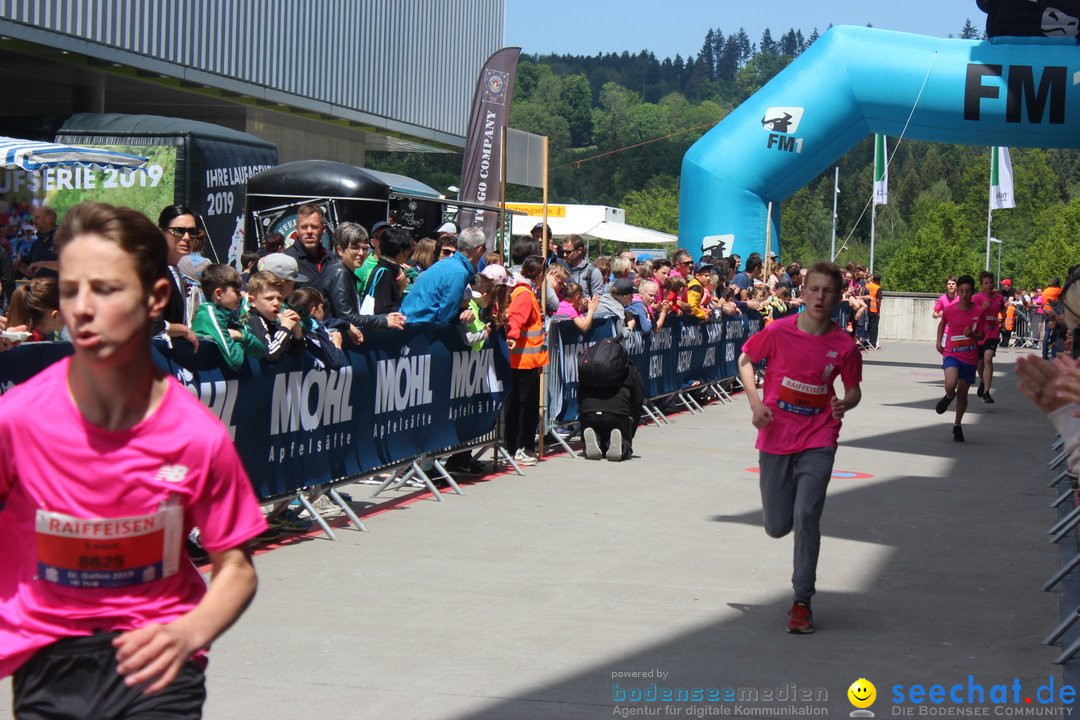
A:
<point x="107" y="464"/>
<point x="993" y="304"/>
<point x="798" y="421"/>
<point x="966" y="325"/>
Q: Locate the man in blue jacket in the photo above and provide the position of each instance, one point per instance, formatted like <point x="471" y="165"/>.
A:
<point x="437" y="294"/>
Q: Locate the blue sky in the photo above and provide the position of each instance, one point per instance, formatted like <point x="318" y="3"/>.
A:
<point x="668" y="27"/>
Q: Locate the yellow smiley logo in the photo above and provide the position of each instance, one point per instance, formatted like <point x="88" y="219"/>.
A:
<point x="862" y="693"/>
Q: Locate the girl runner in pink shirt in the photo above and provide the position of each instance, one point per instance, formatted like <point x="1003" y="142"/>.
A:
<point x="798" y="421"/>
<point x="960" y="329"/>
<point x="102" y="614"/>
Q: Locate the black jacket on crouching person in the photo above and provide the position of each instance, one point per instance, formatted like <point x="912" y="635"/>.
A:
<point x="343" y="302"/>
<point x="605" y="409"/>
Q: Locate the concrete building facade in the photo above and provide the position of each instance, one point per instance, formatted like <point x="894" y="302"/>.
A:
<point x="322" y="79"/>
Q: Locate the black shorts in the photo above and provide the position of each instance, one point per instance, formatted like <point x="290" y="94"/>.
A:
<point x="76" y="678"/>
<point x="991" y="345"/>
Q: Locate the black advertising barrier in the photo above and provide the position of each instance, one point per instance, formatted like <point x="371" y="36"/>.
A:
<point x="297" y="424"/>
<point x="684" y="352"/>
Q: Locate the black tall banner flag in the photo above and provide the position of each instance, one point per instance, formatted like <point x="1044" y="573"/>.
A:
<point x="480" y="169"/>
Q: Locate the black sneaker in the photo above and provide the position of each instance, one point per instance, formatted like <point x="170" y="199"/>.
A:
<point x="957" y="433"/>
<point x="987" y="399"/>
<point x="980" y="391"/>
<point x="943" y="404"/>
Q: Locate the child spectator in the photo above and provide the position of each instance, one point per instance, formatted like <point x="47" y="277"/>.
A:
<point x="214" y="318"/>
<point x="557" y="277"/>
<point x="575" y="306"/>
<point x="423" y="255"/>
<point x="697" y="297"/>
<point x="495" y="312"/>
<point x="37" y="306"/>
<point x="325" y="345"/>
<point x="528" y="356"/>
<point x="477" y="330"/>
<point x="248" y="260"/>
<point x="279" y="330"/>
<point x="388" y="278"/>
<point x="674" y="289"/>
<point x="603" y="264"/>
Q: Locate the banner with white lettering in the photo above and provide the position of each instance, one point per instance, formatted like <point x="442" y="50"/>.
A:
<point x="481" y="168"/>
<point x="297" y="424"/>
<point x="684" y="353"/>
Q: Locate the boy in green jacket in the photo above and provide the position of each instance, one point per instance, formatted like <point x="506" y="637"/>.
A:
<point x="214" y="318"/>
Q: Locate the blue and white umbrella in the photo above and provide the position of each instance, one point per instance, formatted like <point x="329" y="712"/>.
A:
<point x="34" y="155"/>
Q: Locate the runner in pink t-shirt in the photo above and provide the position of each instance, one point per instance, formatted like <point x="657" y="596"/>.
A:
<point x="960" y="329"/>
<point x="949" y="298"/>
<point x="107" y="464"/>
<point x="993" y="304"/>
<point x="798" y="421"/>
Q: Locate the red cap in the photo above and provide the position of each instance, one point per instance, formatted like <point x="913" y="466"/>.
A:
<point x="1006" y="282"/>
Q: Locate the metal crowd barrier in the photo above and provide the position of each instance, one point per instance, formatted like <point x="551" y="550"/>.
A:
<point x="1064" y="533"/>
<point x="1028" y="330"/>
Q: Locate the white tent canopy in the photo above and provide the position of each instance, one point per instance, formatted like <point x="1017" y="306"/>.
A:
<point x="34" y="155"/>
<point x="623" y="233"/>
<point x="597" y="222"/>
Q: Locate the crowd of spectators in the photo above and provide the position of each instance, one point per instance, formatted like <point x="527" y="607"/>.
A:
<point x="310" y="297"/>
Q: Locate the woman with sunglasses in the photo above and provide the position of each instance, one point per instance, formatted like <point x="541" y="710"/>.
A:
<point x="183" y="233"/>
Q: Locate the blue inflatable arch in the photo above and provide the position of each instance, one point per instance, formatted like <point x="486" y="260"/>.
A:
<point x="854" y="81"/>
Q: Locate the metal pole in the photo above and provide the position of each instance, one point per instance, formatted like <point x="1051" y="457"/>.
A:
<point x="543" y="304"/>
<point x="997" y="242"/>
<point x="989" y="216"/>
<point x="768" y="238"/>
<point x="836" y="193"/>
<point x="873" y="224"/>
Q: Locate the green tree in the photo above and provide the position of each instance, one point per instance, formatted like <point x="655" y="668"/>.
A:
<point x="655" y="207"/>
<point x="943" y="244"/>
<point x="1055" y="251"/>
<point x="575" y="105"/>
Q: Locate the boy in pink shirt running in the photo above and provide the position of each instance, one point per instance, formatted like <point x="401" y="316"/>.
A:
<point x="798" y="421"/>
<point x="102" y="614"/>
<point x="960" y="329"/>
<point x="993" y="304"/>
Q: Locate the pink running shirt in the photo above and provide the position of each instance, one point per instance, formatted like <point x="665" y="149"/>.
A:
<point x="799" y="378"/>
<point x="944" y="302"/>
<point x="994" y="306"/>
<point x="959" y="326"/>
<point x="567" y="309"/>
<point x="94" y="520"/>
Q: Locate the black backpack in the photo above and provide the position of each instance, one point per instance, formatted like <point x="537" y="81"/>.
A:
<point x="604" y="365"/>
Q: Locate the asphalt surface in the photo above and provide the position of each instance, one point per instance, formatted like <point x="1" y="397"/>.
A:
<point x="550" y="595"/>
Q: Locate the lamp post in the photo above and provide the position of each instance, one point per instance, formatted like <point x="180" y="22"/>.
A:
<point x="836" y="193"/>
<point x="995" y="240"/>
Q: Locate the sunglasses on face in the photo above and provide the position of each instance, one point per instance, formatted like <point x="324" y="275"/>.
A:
<point x="446" y="252"/>
<point x="179" y="232"/>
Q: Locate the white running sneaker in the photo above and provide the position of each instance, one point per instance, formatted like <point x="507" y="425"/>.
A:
<point x="614" y="450"/>
<point x="524" y="457"/>
<point x="592" y="445"/>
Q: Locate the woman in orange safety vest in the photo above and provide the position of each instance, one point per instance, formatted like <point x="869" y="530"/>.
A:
<point x="528" y="356"/>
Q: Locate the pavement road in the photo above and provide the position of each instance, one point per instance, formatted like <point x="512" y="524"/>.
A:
<point x="547" y="596"/>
